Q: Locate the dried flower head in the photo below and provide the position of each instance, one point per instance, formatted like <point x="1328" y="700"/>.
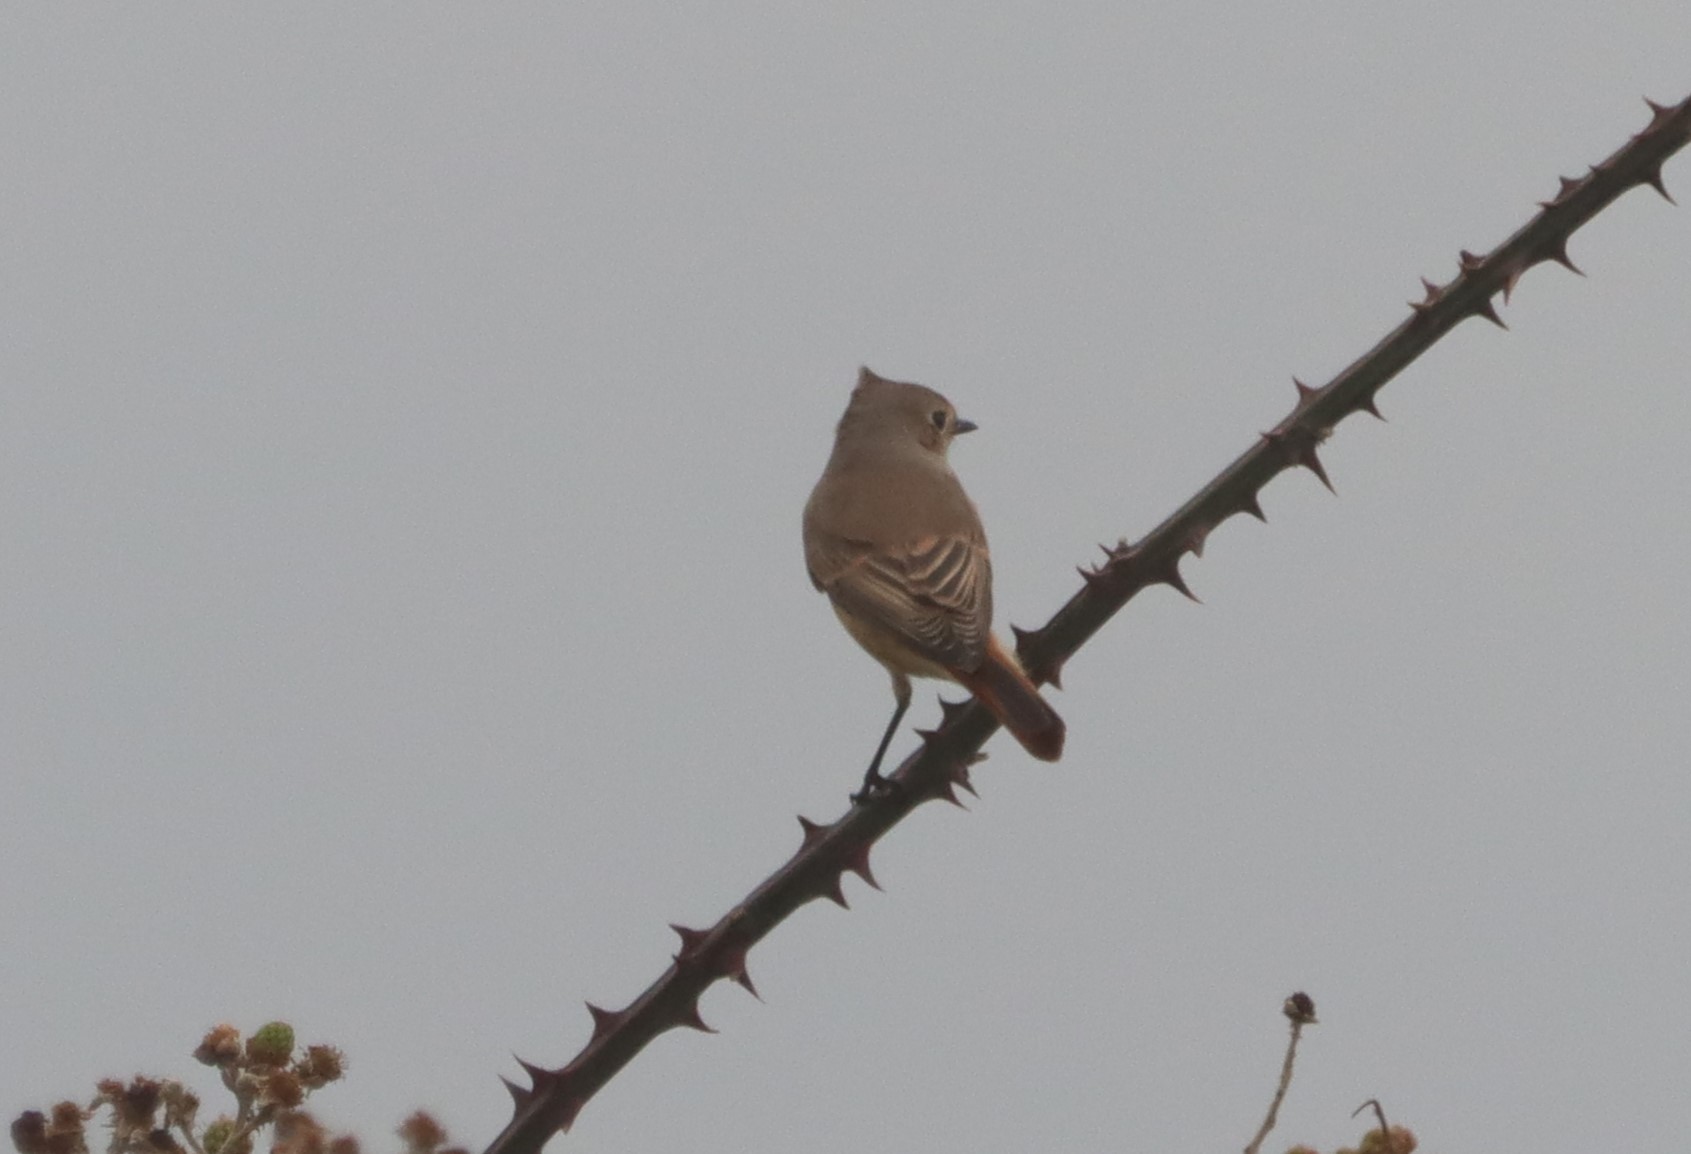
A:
<point x="220" y="1047"/>
<point x="29" y="1132"/>
<point x="297" y="1132"/>
<point x="320" y="1066"/>
<point x="1300" y="1008"/>
<point x="421" y="1133"/>
<point x="281" y="1088"/>
<point x="136" y="1103"/>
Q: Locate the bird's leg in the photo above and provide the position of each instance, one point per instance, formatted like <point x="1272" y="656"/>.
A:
<point x="873" y="783"/>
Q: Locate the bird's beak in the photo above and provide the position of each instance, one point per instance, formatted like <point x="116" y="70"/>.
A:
<point x="963" y="426"/>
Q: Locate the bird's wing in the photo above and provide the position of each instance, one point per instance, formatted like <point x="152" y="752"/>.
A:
<point x="935" y="593"/>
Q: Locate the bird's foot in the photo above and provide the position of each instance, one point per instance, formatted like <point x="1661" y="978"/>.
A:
<point x="875" y="786"/>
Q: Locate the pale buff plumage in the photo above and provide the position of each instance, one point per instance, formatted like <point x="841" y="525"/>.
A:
<point x="895" y="542"/>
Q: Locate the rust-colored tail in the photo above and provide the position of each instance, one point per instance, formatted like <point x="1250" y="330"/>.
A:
<point x="1003" y="688"/>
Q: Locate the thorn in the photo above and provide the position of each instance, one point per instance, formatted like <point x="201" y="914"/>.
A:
<point x="744" y="980"/>
<point x="945" y="791"/>
<point x="1558" y="252"/>
<point x="536" y="1074"/>
<point x="1468" y="261"/>
<point x="1489" y="311"/>
<point x="1425" y="304"/>
<point x="1368" y="406"/>
<point x="835" y="892"/>
<point x="1300" y="453"/>
<point x="604" y="1021"/>
<point x="693" y="1020"/>
<point x="1253" y="505"/>
<point x="691" y="940"/>
<point x="1568" y="184"/>
<point x="520" y="1095"/>
<point x="1658" y="113"/>
<point x="857" y="861"/>
<point x="813" y="833"/>
<point x="1171" y="577"/>
<point x="1054" y="675"/>
<point x="927" y="736"/>
<point x="736" y="971"/>
<point x="1653" y="178"/>
<point x="1310" y="461"/>
<point x="1092" y="577"/>
<point x="1026" y="640"/>
<point x="960" y="778"/>
<point x="1195" y="540"/>
<point x="1306" y="397"/>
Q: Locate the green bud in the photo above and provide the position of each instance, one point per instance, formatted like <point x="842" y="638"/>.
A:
<point x="272" y="1045"/>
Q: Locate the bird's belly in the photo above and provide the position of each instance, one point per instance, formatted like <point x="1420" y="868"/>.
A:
<point x="890" y="648"/>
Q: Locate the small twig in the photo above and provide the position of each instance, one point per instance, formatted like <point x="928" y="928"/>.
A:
<point x="1300" y="1009"/>
<point x="1380" y="1113"/>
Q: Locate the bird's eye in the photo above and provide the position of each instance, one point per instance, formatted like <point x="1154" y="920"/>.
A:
<point x="938" y="418"/>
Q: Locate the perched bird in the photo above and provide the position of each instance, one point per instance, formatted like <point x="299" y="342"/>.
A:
<point x="894" y="541"/>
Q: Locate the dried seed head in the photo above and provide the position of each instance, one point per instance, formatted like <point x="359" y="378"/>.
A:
<point x="220" y="1047"/>
<point x="320" y="1066"/>
<point x="421" y="1133"/>
<point x="1300" y="1008"/>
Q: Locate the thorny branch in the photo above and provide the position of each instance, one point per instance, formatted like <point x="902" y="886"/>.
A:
<point x="940" y="766"/>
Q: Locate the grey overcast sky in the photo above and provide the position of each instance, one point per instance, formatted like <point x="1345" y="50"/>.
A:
<point x="405" y="415"/>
